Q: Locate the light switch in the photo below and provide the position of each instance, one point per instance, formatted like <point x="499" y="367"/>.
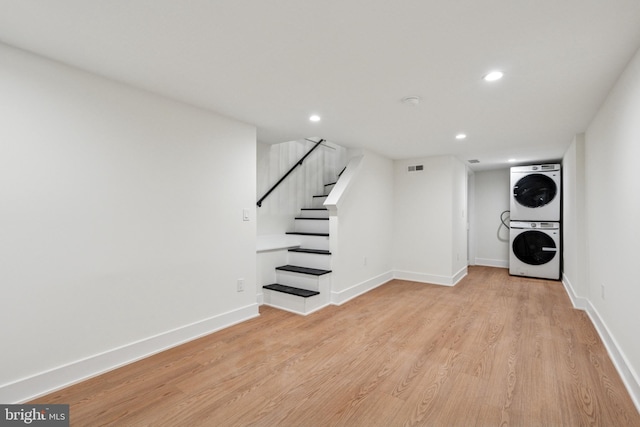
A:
<point x="245" y="214"/>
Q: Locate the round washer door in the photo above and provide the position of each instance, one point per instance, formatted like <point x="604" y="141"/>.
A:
<point x="534" y="247"/>
<point x="535" y="190"/>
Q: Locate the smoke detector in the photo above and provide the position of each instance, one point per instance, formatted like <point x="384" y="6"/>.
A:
<point x="411" y="100"/>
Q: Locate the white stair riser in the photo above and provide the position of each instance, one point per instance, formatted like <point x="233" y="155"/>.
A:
<point x="295" y="303"/>
<point x="292" y="302"/>
<point x="328" y="188"/>
<point x="320" y="213"/>
<point x="303" y="281"/>
<point x="313" y="242"/>
<point x="303" y="259"/>
<point x="318" y="202"/>
<point x="312" y="225"/>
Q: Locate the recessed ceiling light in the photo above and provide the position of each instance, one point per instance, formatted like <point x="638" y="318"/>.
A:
<point x="511" y="160"/>
<point x="314" y="118"/>
<point x="493" y="76"/>
<point x="461" y="136"/>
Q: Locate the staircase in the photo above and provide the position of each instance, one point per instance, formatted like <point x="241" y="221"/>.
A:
<point x="304" y="284"/>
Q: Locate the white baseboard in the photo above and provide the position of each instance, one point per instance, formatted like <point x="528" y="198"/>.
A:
<point x="459" y="275"/>
<point x="47" y="382"/>
<point x="487" y="262"/>
<point x="339" y="298"/>
<point x="430" y="278"/>
<point x="579" y="303"/>
<point x="629" y="377"/>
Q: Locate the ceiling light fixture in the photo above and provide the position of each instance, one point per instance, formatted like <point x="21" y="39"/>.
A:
<point x="461" y="136"/>
<point x="493" y="76"/>
<point x="511" y="160"/>
<point x="315" y="118"/>
<point x="411" y="100"/>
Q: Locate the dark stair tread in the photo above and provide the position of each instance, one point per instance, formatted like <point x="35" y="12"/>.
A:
<point x="314" y="209"/>
<point x="304" y="217"/>
<point x="300" y="233"/>
<point x="291" y="290"/>
<point x="333" y="183"/>
<point x="303" y="270"/>
<point x="321" y="195"/>
<point x="311" y="251"/>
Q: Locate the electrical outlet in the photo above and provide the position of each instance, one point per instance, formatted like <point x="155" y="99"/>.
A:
<point x="240" y="285"/>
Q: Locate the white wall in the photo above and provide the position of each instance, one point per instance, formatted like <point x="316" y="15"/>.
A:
<point x="471" y="213"/>
<point x="491" y="199"/>
<point x="459" y="217"/>
<point x="361" y="227"/>
<point x="120" y="231"/>
<point x="574" y="232"/>
<point x="612" y="200"/>
<point x="429" y="228"/>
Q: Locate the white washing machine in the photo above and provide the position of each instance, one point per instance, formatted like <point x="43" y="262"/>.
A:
<point x="535" y="249"/>
<point x="535" y="193"/>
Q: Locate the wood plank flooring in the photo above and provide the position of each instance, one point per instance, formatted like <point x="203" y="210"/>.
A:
<point x="493" y="350"/>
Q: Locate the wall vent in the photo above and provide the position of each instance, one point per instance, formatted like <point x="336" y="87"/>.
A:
<point x="415" y="168"/>
<point x="474" y="161"/>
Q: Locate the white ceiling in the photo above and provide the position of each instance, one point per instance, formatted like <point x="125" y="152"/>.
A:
<point x="273" y="63"/>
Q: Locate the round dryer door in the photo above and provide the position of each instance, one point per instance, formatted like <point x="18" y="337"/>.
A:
<point x="534" y="247"/>
<point x="535" y="190"/>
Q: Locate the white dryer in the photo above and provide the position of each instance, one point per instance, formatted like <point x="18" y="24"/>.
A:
<point x="535" y="249"/>
<point x="535" y="193"/>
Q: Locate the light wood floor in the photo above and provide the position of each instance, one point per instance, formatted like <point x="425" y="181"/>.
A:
<point x="493" y="350"/>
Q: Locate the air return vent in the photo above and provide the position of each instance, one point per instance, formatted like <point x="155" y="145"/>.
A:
<point x="474" y="161"/>
<point x="415" y="168"/>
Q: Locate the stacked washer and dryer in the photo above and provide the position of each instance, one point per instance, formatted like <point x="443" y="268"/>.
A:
<point x="535" y="238"/>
